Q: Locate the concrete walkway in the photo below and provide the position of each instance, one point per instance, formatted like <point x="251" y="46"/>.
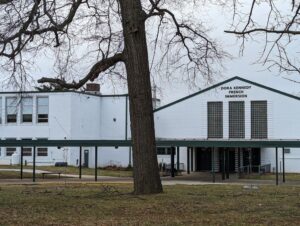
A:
<point x="185" y="179"/>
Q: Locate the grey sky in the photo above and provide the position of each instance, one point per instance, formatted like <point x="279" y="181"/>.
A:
<point x="219" y="20"/>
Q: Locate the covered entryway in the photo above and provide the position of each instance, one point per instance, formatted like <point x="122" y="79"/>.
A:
<point x="203" y="159"/>
<point x="227" y="159"/>
<point x="251" y="159"/>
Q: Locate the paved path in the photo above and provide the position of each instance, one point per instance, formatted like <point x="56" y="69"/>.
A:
<point x="185" y="179"/>
<point x="24" y="170"/>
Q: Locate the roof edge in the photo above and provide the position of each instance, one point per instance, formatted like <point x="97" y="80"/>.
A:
<point x="64" y="91"/>
<point x="224" y="82"/>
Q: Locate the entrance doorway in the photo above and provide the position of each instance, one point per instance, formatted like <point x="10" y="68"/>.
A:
<point x="203" y="159"/>
<point x="229" y="155"/>
<point x="86" y="158"/>
<point x="251" y="158"/>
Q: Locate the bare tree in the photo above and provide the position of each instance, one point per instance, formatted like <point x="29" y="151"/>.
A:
<point x="111" y="36"/>
<point x="275" y="22"/>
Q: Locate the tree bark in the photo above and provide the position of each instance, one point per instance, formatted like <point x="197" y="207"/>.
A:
<point x="145" y="164"/>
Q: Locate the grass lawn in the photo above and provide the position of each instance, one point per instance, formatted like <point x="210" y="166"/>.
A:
<point x="75" y="170"/>
<point x="104" y="204"/>
<point x="16" y="175"/>
<point x="272" y="176"/>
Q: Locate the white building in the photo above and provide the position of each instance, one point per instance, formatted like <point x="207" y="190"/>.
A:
<point x="233" y="109"/>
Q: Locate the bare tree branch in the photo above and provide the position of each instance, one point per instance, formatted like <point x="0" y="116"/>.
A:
<point x="279" y="27"/>
<point x="99" y="67"/>
<point x="2" y="2"/>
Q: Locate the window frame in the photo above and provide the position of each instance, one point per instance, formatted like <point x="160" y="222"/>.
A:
<point x="27" y="153"/>
<point x="213" y="129"/>
<point x="22" y="109"/>
<point x="38" y="148"/>
<point x="166" y="151"/>
<point x="255" y="133"/>
<point x="235" y="123"/>
<point x="6" y="110"/>
<point x="38" y="119"/>
<point x="6" y="148"/>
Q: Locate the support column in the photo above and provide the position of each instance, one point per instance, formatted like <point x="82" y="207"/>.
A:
<point x="283" y="166"/>
<point x="276" y="154"/>
<point x="192" y="159"/>
<point x="178" y="160"/>
<point x="188" y="160"/>
<point x="33" y="168"/>
<point x="213" y="165"/>
<point x="239" y="162"/>
<point x="96" y="162"/>
<point x="80" y="161"/>
<point x="223" y="164"/>
<point x="227" y="163"/>
<point x="172" y="161"/>
<point x="21" y="170"/>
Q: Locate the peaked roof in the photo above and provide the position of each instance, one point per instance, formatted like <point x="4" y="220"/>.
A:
<point x="224" y="82"/>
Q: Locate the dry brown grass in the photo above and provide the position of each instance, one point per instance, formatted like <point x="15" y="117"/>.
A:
<point x="104" y="204"/>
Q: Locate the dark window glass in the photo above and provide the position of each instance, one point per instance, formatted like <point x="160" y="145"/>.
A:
<point x="215" y="119"/>
<point x="259" y="120"/>
<point x="10" y="150"/>
<point x="236" y="119"/>
<point x="42" y="118"/>
<point x="11" y="109"/>
<point x="42" y="109"/>
<point x="164" y="150"/>
<point x="42" y="151"/>
<point x="27" y="109"/>
<point x="27" y="151"/>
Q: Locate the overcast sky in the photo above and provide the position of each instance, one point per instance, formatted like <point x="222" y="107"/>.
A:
<point x="219" y="20"/>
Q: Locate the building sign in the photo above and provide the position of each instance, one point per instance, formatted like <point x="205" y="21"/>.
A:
<point x="235" y="91"/>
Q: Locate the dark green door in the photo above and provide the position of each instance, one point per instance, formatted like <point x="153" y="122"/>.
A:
<point x="86" y="158"/>
<point x="203" y="159"/>
<point x="251" y="157"/>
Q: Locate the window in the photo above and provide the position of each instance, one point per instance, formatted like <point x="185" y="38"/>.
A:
<point x="27" y="109"/>
<point x="287" y="150"/>
<point x="27" y="151"/>
<point x="42" y="151"/>
<point x="259" y="122"/>
<point x="164" y="150"/>
<point x="0" y="110"/>
<point x="215" y="119"/>
<point x="10" y="150"/>
<point x="42" y="109"/>
<point x="11" y="109"/>
<point x="236" y="119"/>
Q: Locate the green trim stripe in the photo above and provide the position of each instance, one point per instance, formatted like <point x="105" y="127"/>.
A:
<point x="222" y="83"/>
<point x="165" y="142"/>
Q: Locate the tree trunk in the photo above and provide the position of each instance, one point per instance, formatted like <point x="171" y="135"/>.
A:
<point x="145" y="165"/>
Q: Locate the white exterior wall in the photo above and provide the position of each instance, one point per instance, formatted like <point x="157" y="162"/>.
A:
<point x="187" y="119"/>
<point x="113" y="126"/>
<point x="82" y="116"/>
<point x="73" y="116"/>
<point x="58" y="126"/>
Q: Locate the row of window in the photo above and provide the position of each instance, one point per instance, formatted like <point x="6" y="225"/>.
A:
<point x="25" y="104"/>
<point x="259" y="119"/>
<point x="27" y="151"/>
